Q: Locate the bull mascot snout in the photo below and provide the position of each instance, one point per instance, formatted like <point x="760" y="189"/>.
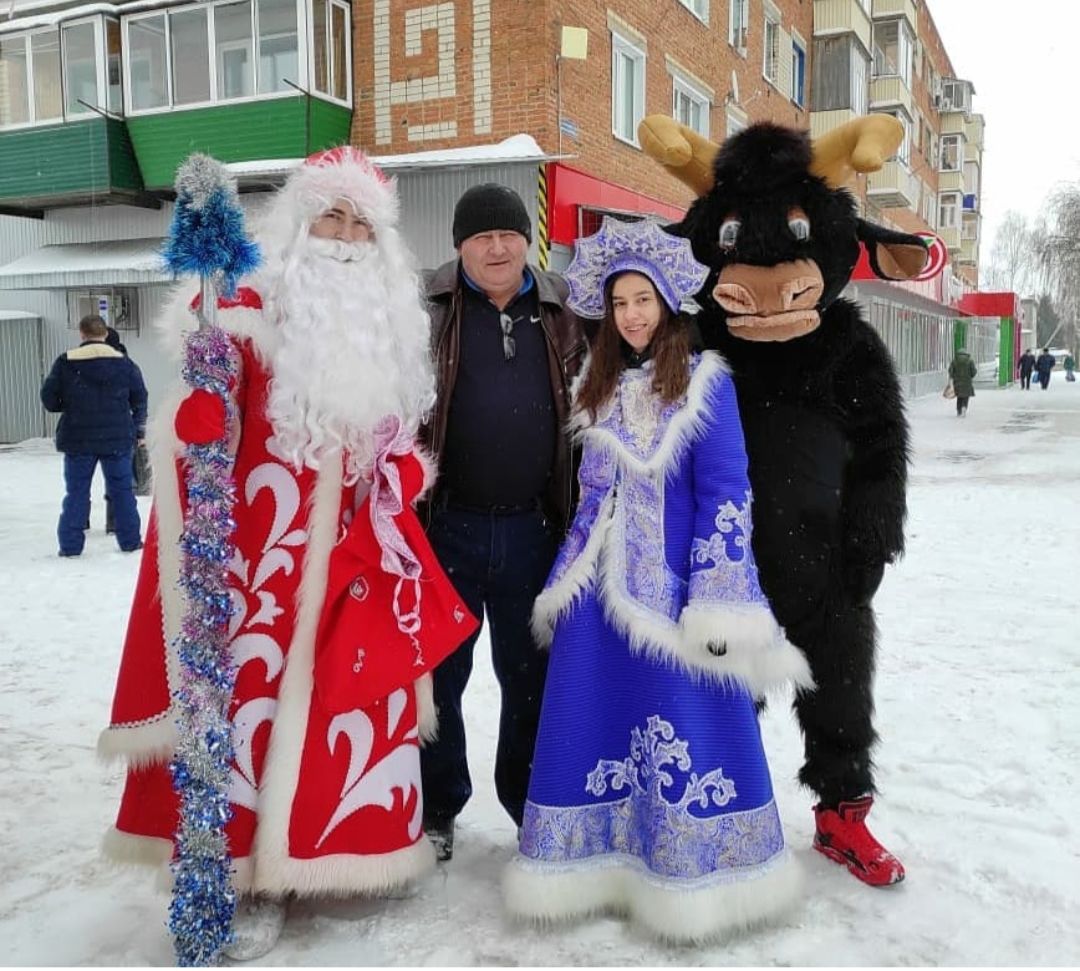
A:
<point x="822" y="413"/>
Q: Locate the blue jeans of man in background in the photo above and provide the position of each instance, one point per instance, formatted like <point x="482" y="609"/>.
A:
<point x="120" y="488"/>
<point x="498" y="561"/>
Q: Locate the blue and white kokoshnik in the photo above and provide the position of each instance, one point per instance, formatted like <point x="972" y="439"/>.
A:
<point x="639" y="247"/>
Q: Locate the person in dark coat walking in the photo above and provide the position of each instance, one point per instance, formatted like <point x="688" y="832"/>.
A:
<point x="1043" y="366"/>
<point x="1027" y="365"/>
<point x="507" y="348"/>
<point x="101" y="397"/>
<point x="962" y="373"/>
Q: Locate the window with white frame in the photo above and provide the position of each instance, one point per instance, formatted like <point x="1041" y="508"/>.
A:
<point x="893" y="46"/>
<point x="690" y="105"/>
<point x="278" y="48"/>
<point x="969" y="225"/>
<point x="331" y="65"/>
<point x="699" y="8"/>
<point x="228" y="50"/>
<point x="952" y="153"/>
<point x="80" y="67"/>
<point x="928" y="206"/>
<point x="113" y="76"/>
<point x="735" y="123"/>
<point x="798" y="73"/>
<point x="860" y="82"/>
<point x="771" y="64"/>
<point x="30" y="78"/>
<point x="627" y="88"/>
<point x="903" y="152"/>
<point x="738" y="23"/>
<point x="949" y="204"/>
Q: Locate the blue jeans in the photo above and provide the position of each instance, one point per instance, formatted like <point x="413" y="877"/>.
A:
<point x="498" y="563"/>
<point x="119" y="487"/>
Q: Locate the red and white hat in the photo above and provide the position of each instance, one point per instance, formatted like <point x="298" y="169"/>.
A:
<point x="343" y="172"/>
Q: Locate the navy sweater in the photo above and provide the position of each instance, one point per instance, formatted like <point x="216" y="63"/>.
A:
<point x="101" y="398"/>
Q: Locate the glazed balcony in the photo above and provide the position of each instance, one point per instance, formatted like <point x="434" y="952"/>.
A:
<point x="894" y="187"/>
<point x="890" y="91"/>
<point x="842" y="17"/>
<point x="885" y="9"/>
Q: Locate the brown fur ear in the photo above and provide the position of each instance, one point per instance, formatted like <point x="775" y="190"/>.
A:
<point x="901" y="261"/>
<point x="681" y="150"/>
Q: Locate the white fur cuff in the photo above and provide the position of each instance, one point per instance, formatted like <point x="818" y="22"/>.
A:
<point x="756" y="651"/>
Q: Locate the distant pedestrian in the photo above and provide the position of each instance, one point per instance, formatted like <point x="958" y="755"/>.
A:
<point x="1070" y="367"/>
<point x="962" y="373"/>
<point x="1043" y="366"/>
<point x="1027" y="365"/>
<point x="101" y="398"/>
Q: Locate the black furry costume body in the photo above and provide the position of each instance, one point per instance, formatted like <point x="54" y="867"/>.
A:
<point x="823" y="417"/>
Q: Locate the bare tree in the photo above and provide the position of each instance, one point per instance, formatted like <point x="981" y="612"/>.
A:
<point x="1059" y="258"/>
<point x="1012" y="257"/>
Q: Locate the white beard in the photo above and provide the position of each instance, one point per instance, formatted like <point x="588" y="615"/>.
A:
<point x="354" y="347"/>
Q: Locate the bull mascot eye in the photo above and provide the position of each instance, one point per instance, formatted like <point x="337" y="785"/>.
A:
<point x="800" y="228"/>
<point x="729" y="233"/>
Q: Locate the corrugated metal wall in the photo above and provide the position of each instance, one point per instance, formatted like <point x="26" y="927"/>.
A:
<point x="21" y="414"/>
<point x="427" y="207"/>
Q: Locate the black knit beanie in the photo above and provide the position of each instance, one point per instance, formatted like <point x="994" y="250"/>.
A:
<point x="490" y="206"/>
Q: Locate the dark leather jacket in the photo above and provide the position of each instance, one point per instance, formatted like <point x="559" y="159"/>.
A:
<point x="566" y="346"/>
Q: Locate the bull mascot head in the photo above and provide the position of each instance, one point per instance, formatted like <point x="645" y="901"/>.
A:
<point x="775" y="222"/>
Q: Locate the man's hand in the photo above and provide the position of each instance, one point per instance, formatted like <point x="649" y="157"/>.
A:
<point x="200" y="419"/>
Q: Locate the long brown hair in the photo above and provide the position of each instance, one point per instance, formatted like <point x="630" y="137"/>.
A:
<point x="670" y="347"/>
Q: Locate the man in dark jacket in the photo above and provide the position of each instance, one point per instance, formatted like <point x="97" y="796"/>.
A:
<point x="506" y="350"/>
<point x="101" y="398"/>
<point x="1027" y="365"/>
<point x="1043" y="366"/>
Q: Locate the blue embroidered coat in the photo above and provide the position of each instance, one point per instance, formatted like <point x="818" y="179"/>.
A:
<point x="663" y="527"/>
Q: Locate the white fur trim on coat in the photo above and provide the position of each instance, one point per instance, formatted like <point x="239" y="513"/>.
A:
<point x="700" y="911"/>
<point x="686" y="426"/>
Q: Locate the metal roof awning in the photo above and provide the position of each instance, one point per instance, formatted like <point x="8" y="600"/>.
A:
<point x="118" y="262"/>
<point x="18" y="315"/>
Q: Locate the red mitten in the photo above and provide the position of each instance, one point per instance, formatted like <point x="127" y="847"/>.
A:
<point x="200" y="419"/>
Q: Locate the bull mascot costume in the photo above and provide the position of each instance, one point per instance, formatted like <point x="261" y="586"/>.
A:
<point x="823" y="417"/>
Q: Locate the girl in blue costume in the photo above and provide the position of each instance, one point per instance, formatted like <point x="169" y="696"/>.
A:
<point x="650" y="794"/>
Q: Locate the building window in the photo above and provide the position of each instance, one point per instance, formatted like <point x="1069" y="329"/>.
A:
<point x="278" y="48"/>
<point x="206" y="54"/>
<point x="735" y="123"/>
<point x="949" y="210"/>
<point x="969" y="226"/>
<point x="771" y="66"/>
<point x="15" y="92"/>
<point x="738" y="23"/>
<point x="893" y="46"/>
<point x="331" y="50"/>
<point x="798" y="73"/>
<point x="699" y="8"/>
<point x="113" y="77"/>
<point x="860" y="82"/>
<point x="691" y="106"/>
<point x="80" y="68"/>
<point x="234" y="59"/>
<point x="30" y="87"/>
<point x="627" y="88"/>
<point x="952" y="153"/>
<point x="148" y="69"/>
<point x="904" y="151"/>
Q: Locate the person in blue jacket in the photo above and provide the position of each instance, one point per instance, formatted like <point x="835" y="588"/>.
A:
<point x="650" y="793"/>
<point x="101" y="398"/>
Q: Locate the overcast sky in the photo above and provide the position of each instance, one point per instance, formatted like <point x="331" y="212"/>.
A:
<point x="1022" y="59"/>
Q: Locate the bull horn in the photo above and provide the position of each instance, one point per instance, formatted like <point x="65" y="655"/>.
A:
<point x="682" y="151"/>
<point x="861" y="145"/>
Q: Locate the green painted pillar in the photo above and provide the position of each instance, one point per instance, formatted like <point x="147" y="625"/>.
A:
<point x="1006" y="364"/>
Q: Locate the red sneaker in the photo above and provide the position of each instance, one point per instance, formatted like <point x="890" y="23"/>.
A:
<point x="842" y="836"/>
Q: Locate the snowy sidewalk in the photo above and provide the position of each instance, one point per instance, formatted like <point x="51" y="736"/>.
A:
<point x="978" y="764"/>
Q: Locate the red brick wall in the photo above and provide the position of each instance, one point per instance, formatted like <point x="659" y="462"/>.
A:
<point x="524" y="39"/>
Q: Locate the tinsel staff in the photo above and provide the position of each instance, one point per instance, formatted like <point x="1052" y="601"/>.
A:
<point x="206" y="238"/>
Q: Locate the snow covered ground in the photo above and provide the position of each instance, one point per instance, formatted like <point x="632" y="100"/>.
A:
<point x="978" y="765"/>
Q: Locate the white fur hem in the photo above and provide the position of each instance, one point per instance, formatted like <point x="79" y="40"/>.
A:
<point x="344" y="874"/>
<point x="675" y="911"/>
<point x="139" y="745"/>
<point x="758" y="654"/>
<point x="129" y="849"/>
<point x="557" y="600"/>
